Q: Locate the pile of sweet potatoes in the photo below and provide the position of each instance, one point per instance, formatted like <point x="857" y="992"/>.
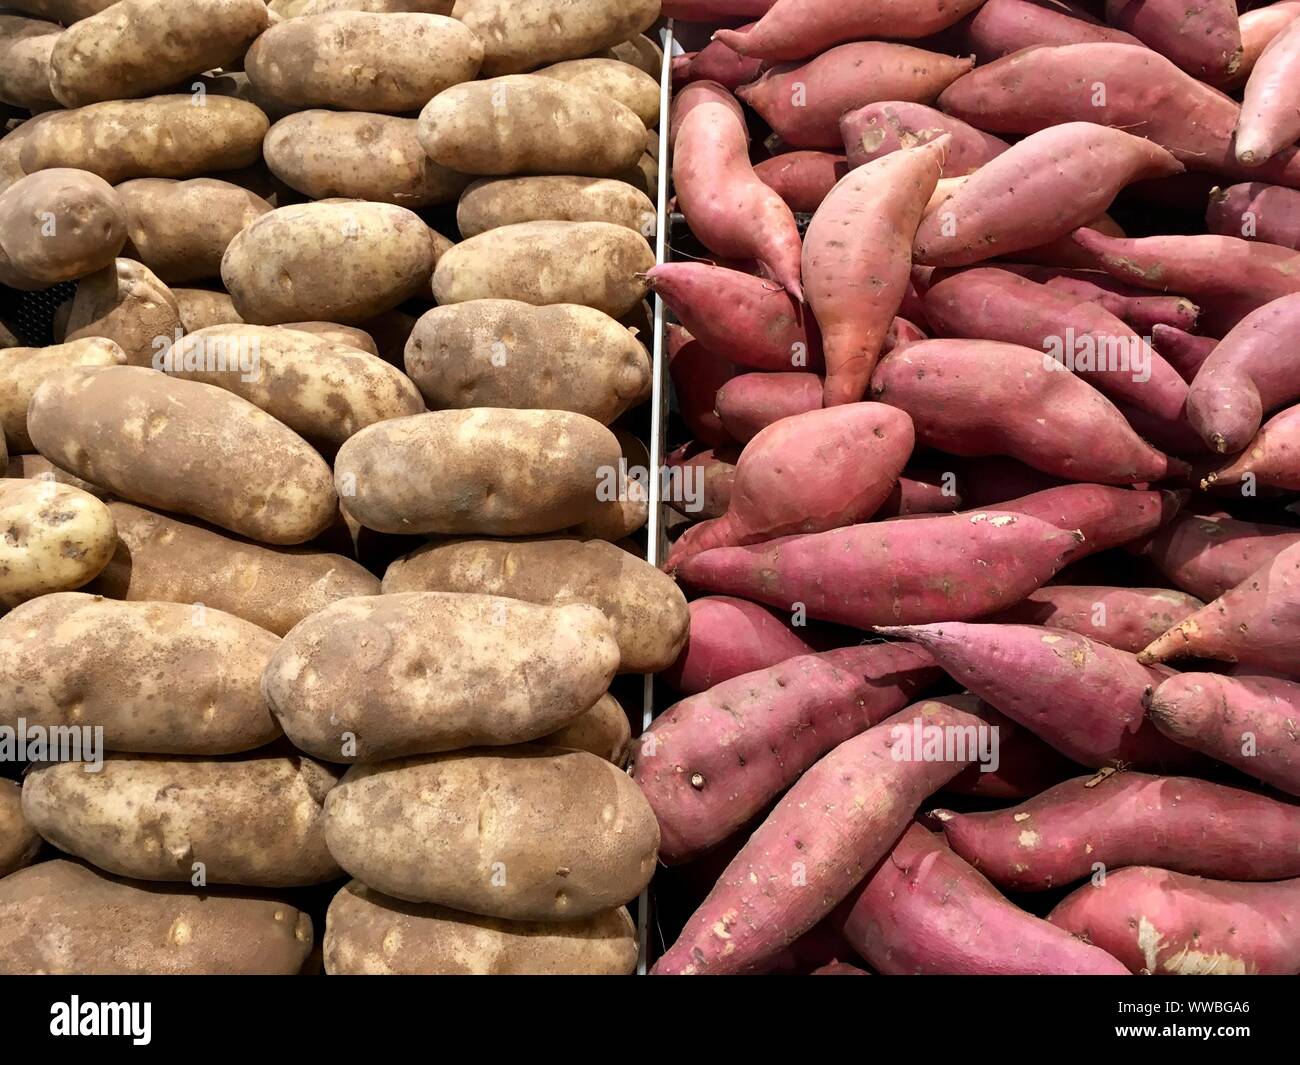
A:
<point x="988" y="362"/>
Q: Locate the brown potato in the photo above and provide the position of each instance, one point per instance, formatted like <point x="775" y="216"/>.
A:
<point x="499" y="472"/>
<point x="184" y="446"/>
<point x="645" y="606"/>
<point x="604" y="730"/>
<point x="493" y="202"/>
<point x="164" y="678"/>
<point x="59" y="225"/>
<point x="525" y="833"/>
<point x="595" y="264"/>
<point x="629" y="85"/>
<point x="334" y="262"/>
<point x="371" y="934"/>
<point x="25" y="47"/>
<point x="22" y="369"/>
<point x="11" y="146"/>
<point x="361" y="61"/>
<point x="62" y="918"/>
<point x="201" y="307"/>
<point x="125" y="302"/>
<point x="356" y="683"/>
<point x="625" y="502"/>
<point x="254" y="820"/>
<point x="349" y="336"/>
<point x="140" y="47"/>
<point x="39" y="468"/>
<point x="519" y="37"/>
<point x="503" y="353"/>
<point x="19" y="842"/>
<point x="296" y="8"/>
<point x="57" y="538"/>
<point x="181" y="229"/>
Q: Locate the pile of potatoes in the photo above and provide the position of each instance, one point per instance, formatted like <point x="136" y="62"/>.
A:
<point x="308" y="505"/>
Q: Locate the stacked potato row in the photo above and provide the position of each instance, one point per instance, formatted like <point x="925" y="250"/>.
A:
<point x="342" y="576"/>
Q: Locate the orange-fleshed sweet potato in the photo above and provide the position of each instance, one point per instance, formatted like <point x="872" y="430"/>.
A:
<point x="1124" y="618"/>
<point x="1271" y="459"/>
<point x="714" y="760"/>
<point x="1206" y="556"/>
<point x="924" y="911"/>
<point x="802" y="178"/>
<point x="1104" y="822"/>
<point x="750" y="402"/>
<point x="1203" y="37"/>
<point x="886" y="126"/>
<point x="1256" y="211"/>
<point x="1269" y="119"/>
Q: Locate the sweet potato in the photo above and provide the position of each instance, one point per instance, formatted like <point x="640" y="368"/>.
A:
<point x="838" y="968"/>
<point x="714" y="760"/>
<point x="802" y="179"/>
<point x="716" y="62"/>
<point x="924" y="911"/>
<point x="697" y="374"/>
<point x="1184" y="351"/>
<point x="1162" y="923"/>
<point x="712" y="11"/>
<point x="715" y="470"/>
<point x="1142" y="313"/>
<point x="980" y="397"/>
<point x="749" y="403"/>
<point x="1206" y="556"/>
<point x="1269" y="120"/>
<point x="1258" y="28"/>
<point x="1124" y="618"/>
<point x="1000" y="27"/>
<point x="695" y="94"/>
<point x="1105" y="516"/>
<point x="1271" y="459"/>
<point x="910" y="572"/>
<point x="796" y="868"/>
<point x="1096" y="823"/>
<point x="886" y="126"/>
<point x="1202" y="38"/>
<point x="1256" y="211"/>
<point x="1026" y="766"/>
<point x="857" y="258"/>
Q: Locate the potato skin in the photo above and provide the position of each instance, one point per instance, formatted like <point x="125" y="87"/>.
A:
<point x="38" y="468"/>
<point x="526" y="833"/>
<point x="138" y="47"/>
<point x="161" y="136"/>
<point x="254" y="820"/>
<point x="492" y="202"/>
<point x="360" y="671"/>
<point x="503" y="353"/>
<point x="201" y="307"/>
<point x="127" y="303"/>
<point x="19" y="842"/>
<point x="335" y="262"/>
<point x="624" y="507"/>
<point x="500" y="472"/>
<point x="58" y="538"/>
<point x="25" y="47"/>
<point x="23" y="369"/>
<point x="348" y="336"/>
<point x="604" y="731"/>
<point x="337" y="59"/>
<point x="519" y="37"/>
<point x="181" y="229"/>
<point x="358" y="155"/>
<point x="524" y="124"/>
<point x="629" y="85"/>
<point x="183" y="446"/>
<point x="647" y="609"/>
<point x="63" y="918"/>
<point x="371" y="934"/>
<point x="595" y="264"/>
<point x="59" y="225"/>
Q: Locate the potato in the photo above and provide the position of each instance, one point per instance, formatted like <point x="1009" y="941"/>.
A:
<point x="371" y="934"/>
<point x="625" y="502"/>
<point x="630" y="86"/>
<point x="201" y="307"/>
<point x="499" y="472"/>
<point x="165" y="678"/>
<point x="295" y="8"/>
<point x="159" y="557"/>
<point x="39" y="468"/>
<point x="526" y="833"/>
<point x="493" y="202"/>
<point x="22" y="369"/>
<point x="183" y="446"/>
<point x="503" y="353"/>
<point x="357" y="683"/>
<point x="126" y="303"/>
<point x="526" y="124"/>
<point x="56" y="538"/>
<point x="324" y="392"/>
<point x="62" y="918"/>
<point x="604" y="730"/>
<point x="181" y="229"/>
<point x="162" y="136"/>
<point x="11" y="145"/>
<point x="596" y="264"/>
<point x="25" y="47"/>
<point x="19" y="842"/>
<point x="360" y="61"/>
<point x="346" y="335"/>
<point x="59" y="225"/>
<point x="335" y="262"/>
<point x="640" y="51"/>
<point x="65" y="11"/>
<point x="519" y="37"/>
<point x="644" y="177"/>
<point x="140" y="47"/>
<point x="645" y="606"/>
<point x="254" y="820"/>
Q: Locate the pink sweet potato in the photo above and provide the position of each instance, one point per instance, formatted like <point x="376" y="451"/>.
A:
<point x="1269" y="119"/>
<point x="1271" y="459"/>
<point x="803" y="104"/>
<point x="702" y="92"/>
<point x="1257" y="622"/>
<point x="1206" y="556"/>
<point x="796" y="868"/>
<point x="727" y="207"/>
<point x="697" y="374"/>
<point x="1000" y="27"/>
<point x="716" y="759"/>
<point x="1202" y="37"/>
<point x="1124" y="618"/>
<point x="1042" y="188"/>
<point x="1184" y="351"/>
<point x="1083" y="698"/>
<point x="992" y="304"/>
<point x="1162" y="923"/>
<point x="1106" y="517"/>
<point x="802" y="179"/>
<point x="924" y="569"/>
<point x="1142" y="313"/>
<point x="886" y="126"/>
<point x="1180" y="823"/>
<point x="1026" y="766"/>
<point x="858" y="258"/>
<point x="1251" y="372"/>
<point x="980" y="397"/>
<point x="901" y="332"/>
<point x="750" y="318"/>
<point x="716" y="62"/>
<point x="712" y="11"/>
<point x="1258" y="28"/>
<point x="1247" y="722"/>
<point x="922" y="491"/>
<point x="1173" y="436"/>
<point x="923" y="911"/>
<point x="749" y="403"/>
<point x="1063" y="253"/>
<point x="715" y="470"/>
<point x="794" y="29"/>
<point x="1255" y="211"/>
